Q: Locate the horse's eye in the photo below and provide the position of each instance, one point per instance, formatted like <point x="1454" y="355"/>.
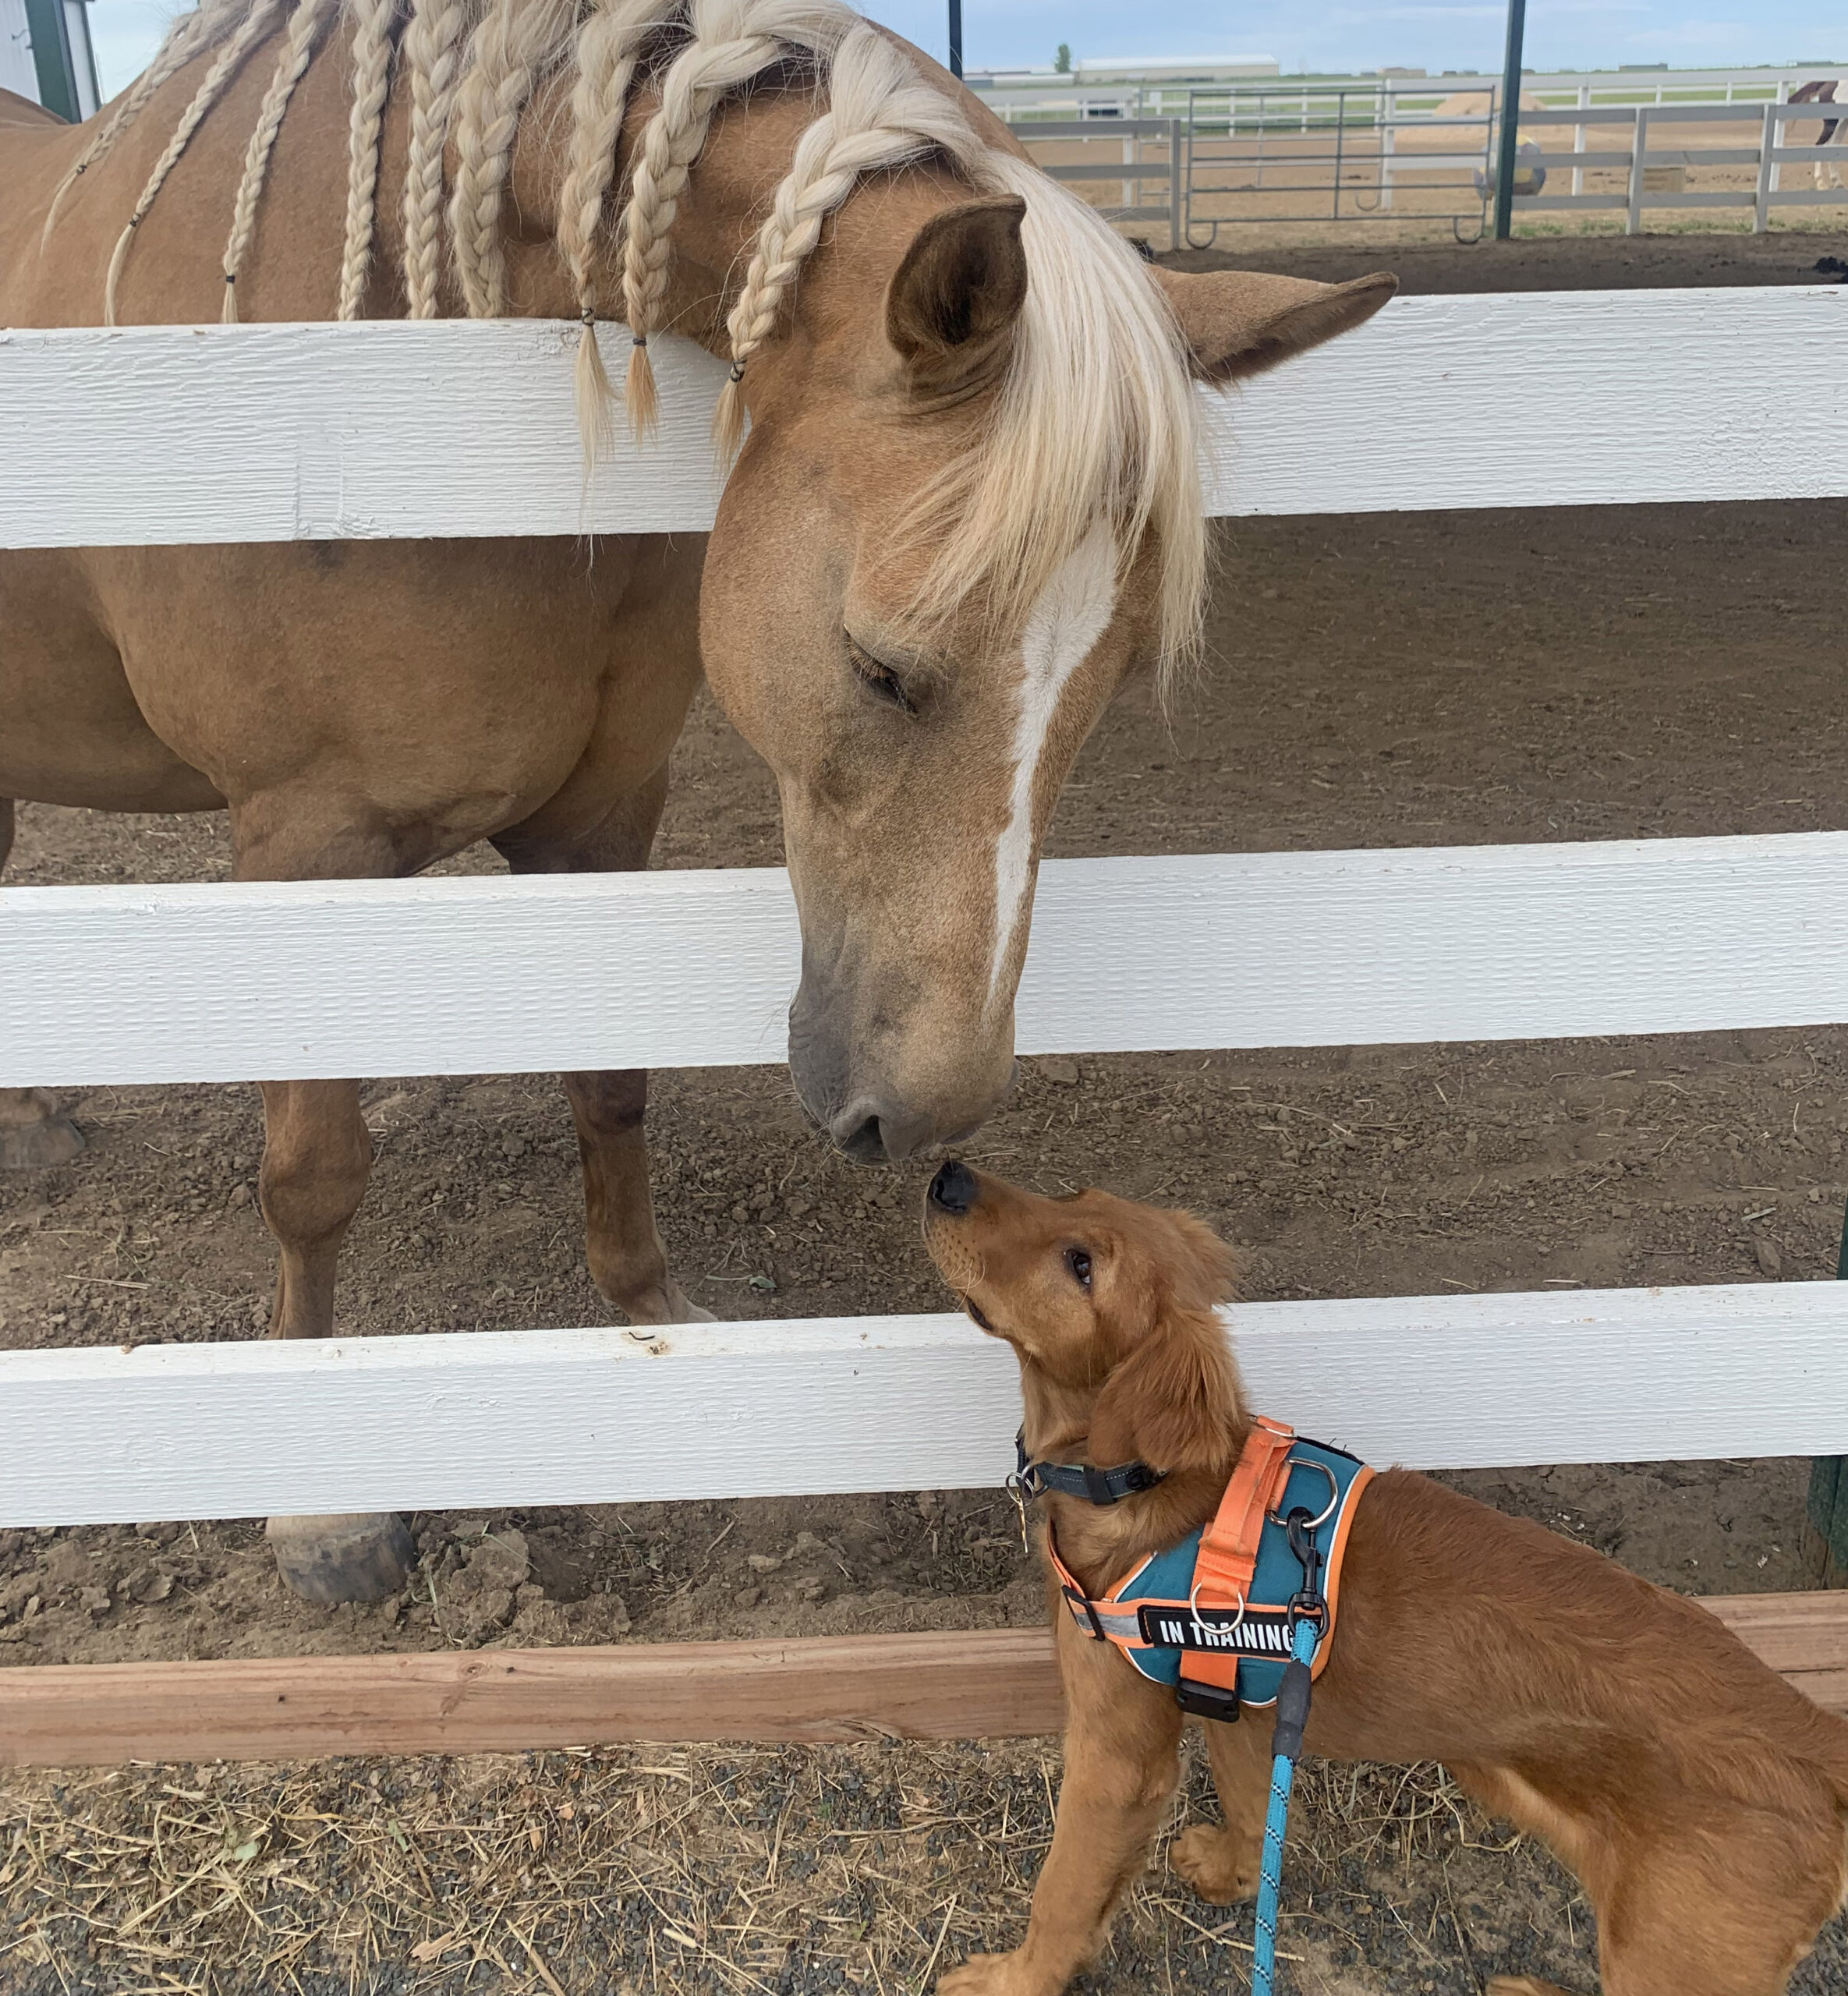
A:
<point x="879" y="679"/>
<point x="1079" y="1263"/>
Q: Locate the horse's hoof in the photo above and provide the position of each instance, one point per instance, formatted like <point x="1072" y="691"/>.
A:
<point x="666" y="1303"/>
<point x="353" y="1556"/>
<point x="42" y="1139"/>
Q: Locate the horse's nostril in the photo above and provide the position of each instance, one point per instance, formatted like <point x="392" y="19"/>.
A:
<point x="953" y="1187"/>
<point x="865" y="1142"/>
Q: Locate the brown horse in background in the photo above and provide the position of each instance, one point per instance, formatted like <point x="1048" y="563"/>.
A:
<point x="1827" y="173"/>
<point x="967" y="506"/>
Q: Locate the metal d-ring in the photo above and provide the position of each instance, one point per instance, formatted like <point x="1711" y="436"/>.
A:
<point x="1193" y="1605"/>
<point x="1334" y="1493"/>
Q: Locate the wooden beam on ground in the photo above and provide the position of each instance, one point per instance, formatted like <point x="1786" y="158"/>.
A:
<point x="952" y="1684"/>
<point x="949" y="1684"/>
<point x="142" y="435"/>
<point x="1802" y="1636"/>
<point x="295" y="980"/>
<point x="807" y="1407"/>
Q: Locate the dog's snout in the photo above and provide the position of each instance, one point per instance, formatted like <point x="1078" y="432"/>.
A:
<point x="953" y="1189"/>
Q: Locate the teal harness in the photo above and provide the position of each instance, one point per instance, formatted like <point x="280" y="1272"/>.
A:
<point x="1254" y="1626"/>
<point x="1166" y="1582"/>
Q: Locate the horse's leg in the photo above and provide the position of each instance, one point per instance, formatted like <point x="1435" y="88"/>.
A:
<point x="316" y="1156"/>
<point x="622" y="1243"/>
<point x="33" y="1131"/>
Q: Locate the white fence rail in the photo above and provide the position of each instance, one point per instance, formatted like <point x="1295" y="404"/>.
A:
<point x="297" y="431"/>
<point x="175" y="435"/>
<point x="294" y="980"/>
<point x="823" y="1404"/>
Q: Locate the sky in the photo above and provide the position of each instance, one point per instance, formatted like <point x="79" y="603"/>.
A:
<point x="1300" y="34"/>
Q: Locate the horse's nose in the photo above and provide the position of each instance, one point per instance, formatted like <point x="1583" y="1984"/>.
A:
<point x="953" y="1189"/>
<point x="871" y="1132"/>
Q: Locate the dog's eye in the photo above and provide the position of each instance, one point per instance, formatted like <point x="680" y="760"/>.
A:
<point x="879" y="679"/>
<point x="1079" y="1263"/>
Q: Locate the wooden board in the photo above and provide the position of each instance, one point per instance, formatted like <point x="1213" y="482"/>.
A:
<point x="805" y="1407"/>
<point x="161" y="434"/>
<point x="949" y="1684"/>
<point x="232" y="982"/>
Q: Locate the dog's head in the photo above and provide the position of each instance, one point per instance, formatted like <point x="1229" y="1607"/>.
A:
<point x="1104" y="1299"/>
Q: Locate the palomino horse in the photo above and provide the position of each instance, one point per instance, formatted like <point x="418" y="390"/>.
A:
<point x="967" y="506"/>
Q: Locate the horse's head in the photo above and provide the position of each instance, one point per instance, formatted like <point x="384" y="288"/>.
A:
<point x="968" y="507"/>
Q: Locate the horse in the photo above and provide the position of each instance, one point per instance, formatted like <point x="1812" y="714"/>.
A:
<point x="963" y="507"/>
<point x="1827" y="173"/>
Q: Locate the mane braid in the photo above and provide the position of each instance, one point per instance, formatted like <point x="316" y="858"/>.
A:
<point x="372" y="46"/>
<point x="880" y="114"/>
<point x="732" y="41"/>
<point x="432" y="49"/>
<point x="262" y="16"/>
<point x="514" y="37"/>
<point x="187" y="36"/>
<point x="609" y="46"/>
<point x="298" y="48"/>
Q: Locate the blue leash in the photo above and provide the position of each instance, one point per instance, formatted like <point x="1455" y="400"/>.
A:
<point x="1287" y="1743"/>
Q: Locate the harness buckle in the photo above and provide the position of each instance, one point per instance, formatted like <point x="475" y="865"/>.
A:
<point x="1207" y="1700"/>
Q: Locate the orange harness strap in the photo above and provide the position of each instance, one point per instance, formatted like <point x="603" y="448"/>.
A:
<point x="1229" y="1545"/>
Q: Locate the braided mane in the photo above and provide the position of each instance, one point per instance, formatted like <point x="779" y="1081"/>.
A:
<point x="1094" y="417"/>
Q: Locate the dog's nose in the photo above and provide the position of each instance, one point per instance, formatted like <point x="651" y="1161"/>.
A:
<point x="954" y="1188"/>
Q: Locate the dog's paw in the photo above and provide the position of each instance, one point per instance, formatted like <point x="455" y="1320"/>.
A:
<point x="1220" y="1868"/>
<point x="1523" y="1985"/>
<point x="983" y="1975"/>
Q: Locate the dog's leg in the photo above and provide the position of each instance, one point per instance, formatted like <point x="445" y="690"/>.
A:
<point x="1727" y="1907"/>
<point x="1221" y="1864"/>
<point x="1122" y="1760"/>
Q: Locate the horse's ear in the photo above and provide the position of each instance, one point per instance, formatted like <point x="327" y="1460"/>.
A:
<point x="952" y="303"/>
<point x="1237" y="323"/>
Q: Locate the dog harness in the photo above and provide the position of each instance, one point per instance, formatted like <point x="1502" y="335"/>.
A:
<point x="1216" y="1615"/>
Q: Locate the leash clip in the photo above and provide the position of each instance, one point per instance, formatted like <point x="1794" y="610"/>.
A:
<point x="1309" y="1603"/>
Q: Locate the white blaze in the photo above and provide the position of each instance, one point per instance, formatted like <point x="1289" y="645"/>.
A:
<point x="1074" y="611"/>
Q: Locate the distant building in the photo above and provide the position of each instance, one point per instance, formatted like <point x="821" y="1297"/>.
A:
<point x="45" y="55"/>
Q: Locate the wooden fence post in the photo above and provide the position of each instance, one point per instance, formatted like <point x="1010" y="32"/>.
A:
<point x="1825" y="1544"/>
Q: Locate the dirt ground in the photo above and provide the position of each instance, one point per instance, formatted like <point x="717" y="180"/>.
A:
<point x="1428" y="680"/>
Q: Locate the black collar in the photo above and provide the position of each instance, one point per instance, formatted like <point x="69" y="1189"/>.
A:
<point x="1095" y="1486"/>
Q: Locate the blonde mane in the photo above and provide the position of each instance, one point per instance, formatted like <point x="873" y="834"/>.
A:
<point x="1095" y="416"/>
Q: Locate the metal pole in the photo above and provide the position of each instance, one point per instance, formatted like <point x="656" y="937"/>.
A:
<point x="1177" y="187"/>
<point x="956" y="38"/>
<point x="1504" y="172"/>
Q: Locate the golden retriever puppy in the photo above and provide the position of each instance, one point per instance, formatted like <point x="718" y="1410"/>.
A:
<point x="1701" y="1801"/>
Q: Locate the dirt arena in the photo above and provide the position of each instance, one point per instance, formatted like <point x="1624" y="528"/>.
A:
<point x="1441" y="679"/>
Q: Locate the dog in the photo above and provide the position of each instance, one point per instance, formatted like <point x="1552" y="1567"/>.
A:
<point x="1701" y="1801"/>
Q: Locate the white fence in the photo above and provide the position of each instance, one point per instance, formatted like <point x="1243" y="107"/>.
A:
<point x="1359" y="148"/>
<point x="157" y="434"/>
<point x="1303" y="97"/>
<point x="353" y="431"/>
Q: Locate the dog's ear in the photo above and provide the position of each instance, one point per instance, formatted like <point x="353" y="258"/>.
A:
<point x="1172" y="1403"/>
<point x="1198" y="1268"/>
